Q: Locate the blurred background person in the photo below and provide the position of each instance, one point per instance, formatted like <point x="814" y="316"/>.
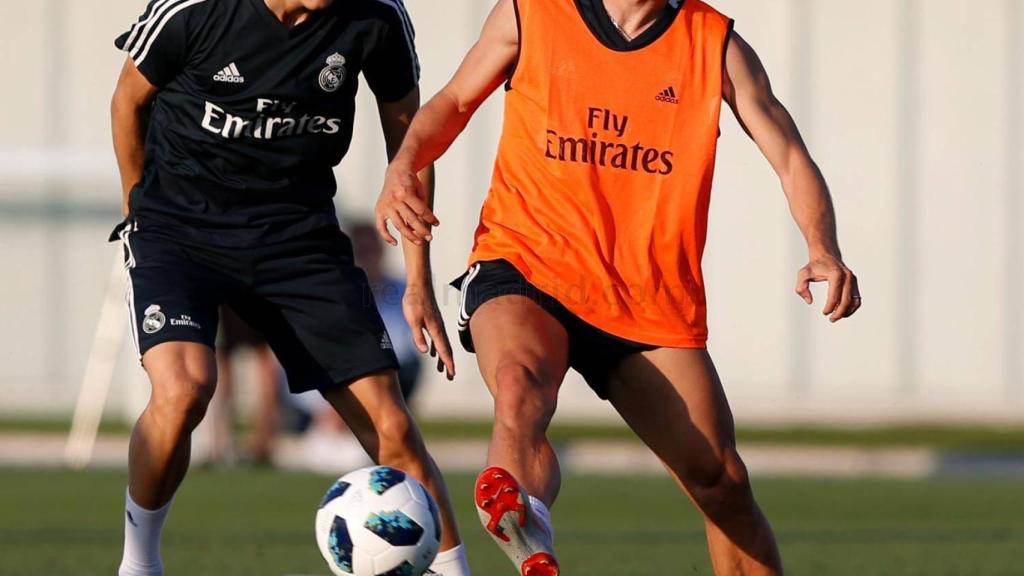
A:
<point x="266" y="378"/>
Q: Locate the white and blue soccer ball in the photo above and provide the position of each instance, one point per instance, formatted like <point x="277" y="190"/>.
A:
<point x="378" y="522"/>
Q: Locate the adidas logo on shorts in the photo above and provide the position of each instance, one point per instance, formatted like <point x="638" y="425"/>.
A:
<point x="667" y="95"/>
<point x="230" y="74"/>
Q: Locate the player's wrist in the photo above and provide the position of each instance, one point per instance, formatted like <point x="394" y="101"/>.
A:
<point x="421" y="291"/>
<point x="419" y="279"/>
<point x="402" y="163"/>
<point x="823" y="250"/>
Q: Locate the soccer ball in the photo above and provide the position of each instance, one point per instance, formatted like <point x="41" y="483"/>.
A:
<point x="378" y="522"/>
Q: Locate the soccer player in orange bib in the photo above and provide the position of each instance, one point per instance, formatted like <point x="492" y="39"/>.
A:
<point x="588" y="253"/>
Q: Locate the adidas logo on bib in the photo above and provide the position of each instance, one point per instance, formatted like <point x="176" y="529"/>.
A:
<point x="230" y="74"/>
<point x="667" y="95"/>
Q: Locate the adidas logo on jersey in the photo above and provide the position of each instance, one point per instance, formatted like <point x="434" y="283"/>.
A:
<point x="230" y="74"/>
<point x="667" y="95"/>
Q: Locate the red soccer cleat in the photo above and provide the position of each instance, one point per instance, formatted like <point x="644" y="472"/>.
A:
<point x="540" y="564"/>
<point x="505" y="513"/>
<point x="497" y="494"/>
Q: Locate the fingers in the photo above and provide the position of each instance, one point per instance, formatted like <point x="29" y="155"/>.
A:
<point x="843" y="298"/>
<point x="430" y="337"/>
<point x="442" y="347"/>
<point x="417" y="335"/>
<point x="409" y="195"/>
<point x="382" y="229"/>
<point x="836" y="280"/>
<point x="846" y="300"/>
<point x="418" y="213"/>
<point x="421" y="230"/>
<point x="857" y="302"/>
<point x="411" y="217"/>
<point x="422" y="210"/>
<point x="433" y="354"/>
<point x="402" y="204"/>
<point x="398" y="222"/>
<point x="803" y="285"/>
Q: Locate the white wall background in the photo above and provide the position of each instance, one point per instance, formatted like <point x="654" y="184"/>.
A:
<point x="915" y="111"/>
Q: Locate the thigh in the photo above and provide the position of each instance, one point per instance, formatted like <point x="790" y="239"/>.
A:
<point x="517" y="331"/>
<point x="674" y="401"/>
<point x="176" y="368"/>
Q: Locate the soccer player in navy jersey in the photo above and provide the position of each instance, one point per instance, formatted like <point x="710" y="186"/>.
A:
<point x="228" y="119"/>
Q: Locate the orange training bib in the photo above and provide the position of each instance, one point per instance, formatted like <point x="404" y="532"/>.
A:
<point x="603" y="177"/>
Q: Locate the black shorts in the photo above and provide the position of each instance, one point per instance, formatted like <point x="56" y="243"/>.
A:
<point x="593" y="352"/>
<point x="305" y="295"/>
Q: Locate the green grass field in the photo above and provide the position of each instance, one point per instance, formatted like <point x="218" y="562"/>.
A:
<point x="972" y="438"/>
<point x="260" y="523"/>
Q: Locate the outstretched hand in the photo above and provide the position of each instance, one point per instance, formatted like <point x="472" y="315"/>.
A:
<point x="428" y="332"/>
<point x="403" y="202"/>
<point x="843" y="293"/>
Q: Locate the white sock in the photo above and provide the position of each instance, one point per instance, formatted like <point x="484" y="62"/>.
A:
<point x="142" y="540"/>
<point x="543" y="515"/>
<point x="451" y="562"/>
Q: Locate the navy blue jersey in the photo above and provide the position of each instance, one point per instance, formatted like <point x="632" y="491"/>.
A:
<point x="251" y="116"/>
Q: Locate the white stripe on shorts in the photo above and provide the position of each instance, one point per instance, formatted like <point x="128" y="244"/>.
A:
<point x="463" y="316"/>
<point x="129" y="293"/>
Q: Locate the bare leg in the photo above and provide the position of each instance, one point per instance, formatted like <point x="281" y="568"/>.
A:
<point x="523" y="356"/>
<point x="375" y="411"/>
<point x="675" y="403"/>
<point x="183" y="376"/>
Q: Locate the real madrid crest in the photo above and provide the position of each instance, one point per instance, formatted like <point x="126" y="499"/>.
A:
<point x="333" y="76"/>
<point x="154" y="320"/>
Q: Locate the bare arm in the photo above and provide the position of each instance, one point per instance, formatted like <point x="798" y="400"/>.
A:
<point x="748" y="92"/>
<point x="129" y="117"/>
<point x="440" y="122"/>
<point x="419" y="303"/>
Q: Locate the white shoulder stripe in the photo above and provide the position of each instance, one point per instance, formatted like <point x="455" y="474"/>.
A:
<point x="138" y="30"/>
<point x="410" y="35"/>
<point x="155" y="25"/>
<point x="163" y="22"/>
<point x="142" y="21"/>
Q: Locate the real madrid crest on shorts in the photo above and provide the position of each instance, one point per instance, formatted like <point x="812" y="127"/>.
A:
<point x="332" y="77"/>
<point x="154" y="320"/>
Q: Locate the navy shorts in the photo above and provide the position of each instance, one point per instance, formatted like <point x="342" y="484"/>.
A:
<point x="593" y="352"/>
<point x="304" y="295"/>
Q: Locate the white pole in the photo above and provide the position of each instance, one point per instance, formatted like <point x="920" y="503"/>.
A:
<point x="99" y="371"/>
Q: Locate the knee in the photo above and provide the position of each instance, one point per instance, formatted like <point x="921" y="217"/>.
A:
<point x="399" y="440"/>
<point x="523" y="402"/>
<point x="721" y="486"/>
<point x="181" y="402"/>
